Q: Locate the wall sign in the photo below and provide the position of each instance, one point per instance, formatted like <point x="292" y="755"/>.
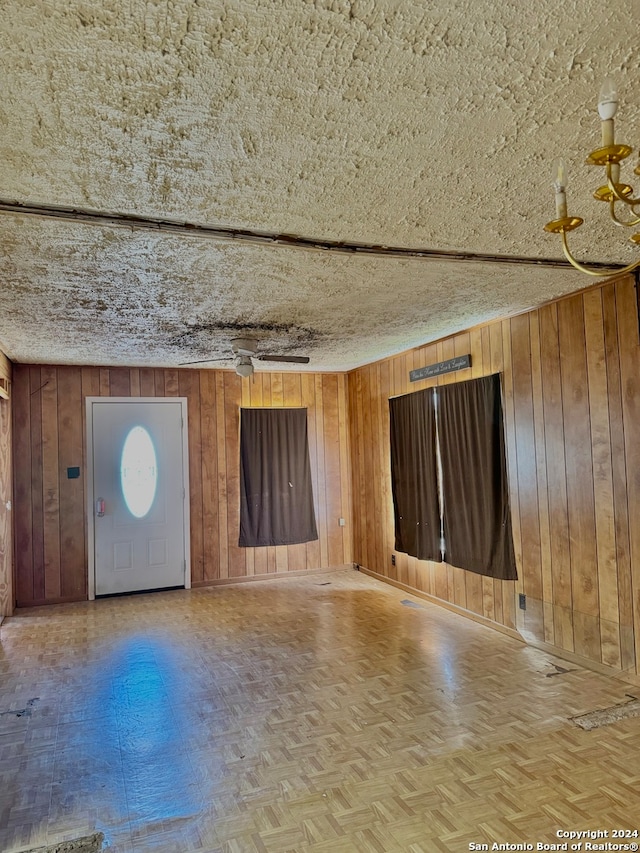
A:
<point x="460" y="362"/>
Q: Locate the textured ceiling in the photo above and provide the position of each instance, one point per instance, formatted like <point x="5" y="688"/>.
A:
<point x="424" y="125"/>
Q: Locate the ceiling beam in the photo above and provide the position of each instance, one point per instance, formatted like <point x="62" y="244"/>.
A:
<point x="191" y="229"/>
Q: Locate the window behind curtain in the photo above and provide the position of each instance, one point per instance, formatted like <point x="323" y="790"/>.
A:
<point x="276" y="497"/>
<point x="414" y="481"/>
<point x="477" y="521"/>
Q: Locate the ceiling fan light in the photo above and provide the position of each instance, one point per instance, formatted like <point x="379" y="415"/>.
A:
<point x="244" y="366"/>
<point x="244" y="346"/>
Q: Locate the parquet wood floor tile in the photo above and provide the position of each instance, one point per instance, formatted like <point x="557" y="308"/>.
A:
<point x="306" y="715"/>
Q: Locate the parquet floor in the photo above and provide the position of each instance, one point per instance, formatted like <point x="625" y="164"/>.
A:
<point x="318" y="714"/>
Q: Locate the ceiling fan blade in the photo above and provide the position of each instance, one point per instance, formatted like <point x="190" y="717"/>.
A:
<point x="202" y="361"/>
<point x="291" y="359"/>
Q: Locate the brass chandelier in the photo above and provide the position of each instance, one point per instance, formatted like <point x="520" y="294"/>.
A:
<point x="619" y="196"/>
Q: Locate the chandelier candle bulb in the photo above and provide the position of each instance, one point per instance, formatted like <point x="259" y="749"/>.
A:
<point x="607" y="133"/>
<point x="561" y="204"/>
<point x="559" y="184"/>
<point x="608" y="100"/>
<point x="607" y="106"/>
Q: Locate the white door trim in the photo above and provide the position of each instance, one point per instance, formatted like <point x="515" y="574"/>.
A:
<point x="91" y="549"/>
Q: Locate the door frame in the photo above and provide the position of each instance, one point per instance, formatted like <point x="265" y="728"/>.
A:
<point x="91" y="543"/>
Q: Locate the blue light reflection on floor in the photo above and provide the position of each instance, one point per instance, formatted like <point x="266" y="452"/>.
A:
<point x="158" y="776"/>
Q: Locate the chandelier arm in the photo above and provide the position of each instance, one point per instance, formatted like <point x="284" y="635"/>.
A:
<point x="614" y="189"/>
<point x="598" y="273"/>
<point x="616" y="221"/>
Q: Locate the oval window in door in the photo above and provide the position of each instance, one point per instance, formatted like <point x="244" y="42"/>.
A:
<point x="138" y="471"/>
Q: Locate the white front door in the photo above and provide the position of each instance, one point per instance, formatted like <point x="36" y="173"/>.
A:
<point x="139" y="493"/>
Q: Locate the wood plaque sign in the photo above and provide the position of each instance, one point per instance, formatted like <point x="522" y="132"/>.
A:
<point x="460" y="362"/>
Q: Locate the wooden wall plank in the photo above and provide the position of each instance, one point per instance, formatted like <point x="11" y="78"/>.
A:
<point x="627" y="318"/>
<point x="331" y="440"/>
<point x="345" y="466"/>
<point x="579" y="463"/>
<point x="308" y="400"/>
<point x="475" y="584"/>
<point x="321" y="475"/>
<point x="541" y="477"/>
<point x="356" y="450"/>
<point x="171" y="383"/>
<point x="223" y="496"/>
<point x="189" y="387"/>
<point x="50" y="483"/>
<point x="292" y="398"/>
<point x="525" y="462"/>
<point x="22" y="485"/>
<point x="508" y="592"/>
<point x="119" y="382"/>
<point x="233" y="398"/>
<point x="381" y="556"/>
<point x="210" y="504"/>
<point x="556" y="476"/>
<point x="37" y="381"/>
<point x="608" y="594"/>
<point x="277" y="390"/>
<point x="73" y="576"/>
<point x="266" y="389"/>
<point x="277" y="401"/>
<point x="134" y="382"/>
<point x="7" y="592"/>
<point x="90" y="387"/>
<point x="619" y="471"/>
<point x="105" y="382"/>
<point x="148" y="382"/>
<point x="159" y="382"/>
<point x="6" y="494"/>
<point x="385" y="528"/>
<point x="360" y="487"/>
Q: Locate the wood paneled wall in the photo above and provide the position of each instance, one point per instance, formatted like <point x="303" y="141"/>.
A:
<point x="49" y="436"/>
<point x="6" y="496"/>
<point x="571" y="386"/>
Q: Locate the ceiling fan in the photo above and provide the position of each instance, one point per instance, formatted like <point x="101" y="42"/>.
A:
<point x="245" y="350"/>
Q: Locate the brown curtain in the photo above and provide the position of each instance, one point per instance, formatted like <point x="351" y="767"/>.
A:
<point x="276" y="497"/>
<point x="414" y="481"/>
<point x="477" y="521"/>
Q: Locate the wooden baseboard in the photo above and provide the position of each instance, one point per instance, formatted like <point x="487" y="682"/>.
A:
<point x="594" y="666"/>
<point x="455" y="608"/>
<point x="215" y="582"/>
<point x="270" y="576"/>
<point x="44" y="602"/>
<point x="563" y="654"/>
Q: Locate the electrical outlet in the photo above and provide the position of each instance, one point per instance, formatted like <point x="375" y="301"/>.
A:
<point x="393" y="559"/>
<point x="341" y="522"/>
<point x="522" y="601"/>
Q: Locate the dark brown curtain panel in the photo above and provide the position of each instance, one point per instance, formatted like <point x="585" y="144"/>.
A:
<point x="477" y="521"/>
<point x="276" y="497"/>
<point x="414" y="480"/>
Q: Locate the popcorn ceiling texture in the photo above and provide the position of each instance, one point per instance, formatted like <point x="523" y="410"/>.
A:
<point x="425" y="125"/>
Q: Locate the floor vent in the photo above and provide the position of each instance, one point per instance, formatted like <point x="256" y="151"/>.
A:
<point x="607" y="716"/>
